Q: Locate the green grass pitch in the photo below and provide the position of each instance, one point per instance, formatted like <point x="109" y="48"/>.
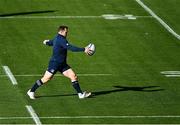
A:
<point x="133" y="52"/>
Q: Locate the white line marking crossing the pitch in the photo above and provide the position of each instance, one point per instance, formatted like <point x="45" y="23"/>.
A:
<point x="171" y="73"/>
<point x="104" y="16"/>
<point x="95" y="117"/>
<point x="158" y="19"/>
<point x="32" y="75"/>
<point x="10" y="75"/>
<point x="33" y="115"/>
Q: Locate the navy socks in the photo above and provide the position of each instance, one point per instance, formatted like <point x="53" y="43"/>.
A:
<point x="76" y="86"/>
<point x="37" y="84"/>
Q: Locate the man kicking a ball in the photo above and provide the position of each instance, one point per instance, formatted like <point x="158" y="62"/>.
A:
<point x="58" y="63"/>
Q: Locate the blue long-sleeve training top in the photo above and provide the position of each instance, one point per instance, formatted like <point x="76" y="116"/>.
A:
<point x="60" y="47"/>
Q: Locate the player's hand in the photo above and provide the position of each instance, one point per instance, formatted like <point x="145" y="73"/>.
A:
<point x="45" y="41"/>
<point x="87" y="50"/>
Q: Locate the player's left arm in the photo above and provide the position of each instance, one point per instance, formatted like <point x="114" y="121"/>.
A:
<point x="74" y="48"/>
<point x="77" y="49"/>
<point x="71" y="47"/>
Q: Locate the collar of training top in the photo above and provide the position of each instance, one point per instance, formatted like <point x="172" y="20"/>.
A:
<point x="61" y="35"/>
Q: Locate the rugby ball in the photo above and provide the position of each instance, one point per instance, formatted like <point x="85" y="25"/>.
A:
<point x="92" y="48"/>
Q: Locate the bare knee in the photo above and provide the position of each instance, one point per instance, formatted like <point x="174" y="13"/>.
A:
<point x="70" y="74"/>
<point x="74" y="77"/>
<point x="47" y="76"/>
<point x="45" y="79"/>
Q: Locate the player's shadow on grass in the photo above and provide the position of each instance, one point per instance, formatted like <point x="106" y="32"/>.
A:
<point x="27" y="13"/>
<point x="55" y="95"/>
<point x="117" y="89"/>
<point x="127" y="88"/>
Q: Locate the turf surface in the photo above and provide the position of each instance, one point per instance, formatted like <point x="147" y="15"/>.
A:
<point x="133" y="51"/>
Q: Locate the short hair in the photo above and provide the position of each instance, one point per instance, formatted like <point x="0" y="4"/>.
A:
<point x="62" y="28"/>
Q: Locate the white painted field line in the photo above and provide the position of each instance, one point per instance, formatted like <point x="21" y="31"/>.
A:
<point x="105" y="16"/>
<point x="93" y="117"/>
<point x="171" y="73"/>
<point x="158" y="19"/>
<point x="105" y="117"/>
<point x="33" y="115"/>
<point x="48" y="17"/>
<point x="10" y="75"/>
<point x="32" y="75"/>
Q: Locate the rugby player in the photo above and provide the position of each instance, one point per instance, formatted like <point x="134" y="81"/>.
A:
<point x="58" y="63"/>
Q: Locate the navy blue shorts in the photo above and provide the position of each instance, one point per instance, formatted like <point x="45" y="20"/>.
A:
<point x="55" y="66"/>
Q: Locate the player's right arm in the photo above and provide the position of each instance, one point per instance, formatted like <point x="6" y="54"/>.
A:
<point x="48" y="42"/>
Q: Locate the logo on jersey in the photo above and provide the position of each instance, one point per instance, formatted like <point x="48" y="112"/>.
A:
<point x="52" y="70"/>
